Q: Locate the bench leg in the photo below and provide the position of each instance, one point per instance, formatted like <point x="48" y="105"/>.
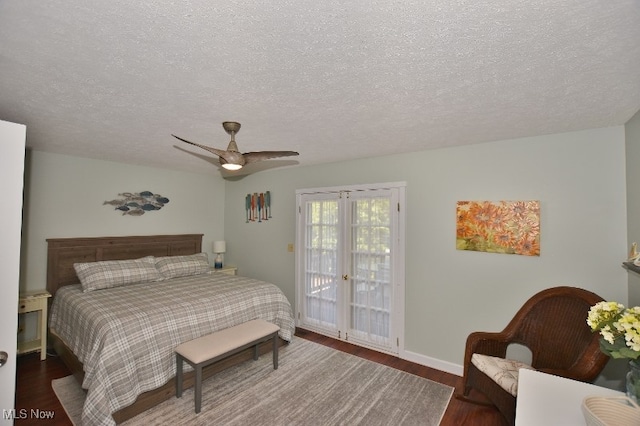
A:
<point x="275" y="350"/>
<point x="256" y="352"/>
<point x="198" y="391"/>
<point x="178" y="376"/>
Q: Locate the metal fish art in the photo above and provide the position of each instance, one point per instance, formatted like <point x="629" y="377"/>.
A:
<point x="137" y="203"/>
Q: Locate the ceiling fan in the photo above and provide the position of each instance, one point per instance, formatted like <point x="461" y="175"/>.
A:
<point x="232" y="159"/>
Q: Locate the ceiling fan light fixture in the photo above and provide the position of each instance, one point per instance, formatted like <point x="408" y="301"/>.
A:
<point x="231" y="166"/>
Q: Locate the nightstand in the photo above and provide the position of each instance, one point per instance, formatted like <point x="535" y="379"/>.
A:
<point x="35" y="301"/>
<point x="229" y="270"/>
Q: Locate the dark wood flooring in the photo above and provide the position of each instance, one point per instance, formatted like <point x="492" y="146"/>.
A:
<point x="34" y="392"/>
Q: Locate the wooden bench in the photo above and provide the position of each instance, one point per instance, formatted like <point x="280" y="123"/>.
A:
<point x="213" y="347"/>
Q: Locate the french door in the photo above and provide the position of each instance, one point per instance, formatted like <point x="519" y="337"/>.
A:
<point x="350" y="264"/>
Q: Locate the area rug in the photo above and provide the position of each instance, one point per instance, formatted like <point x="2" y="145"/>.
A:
<point x="314" y="385"/>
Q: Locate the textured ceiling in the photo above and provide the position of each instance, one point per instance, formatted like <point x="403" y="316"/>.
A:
<point x="332" y="79"/>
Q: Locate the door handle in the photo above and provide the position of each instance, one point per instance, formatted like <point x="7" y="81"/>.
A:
<point x="3" y="358"/>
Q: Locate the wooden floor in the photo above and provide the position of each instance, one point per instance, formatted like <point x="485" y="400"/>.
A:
<point x="33" y="387"/>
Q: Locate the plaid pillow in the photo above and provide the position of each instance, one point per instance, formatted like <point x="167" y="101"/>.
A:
<point x="183" y="266"/>
<point x="116" y="273"/>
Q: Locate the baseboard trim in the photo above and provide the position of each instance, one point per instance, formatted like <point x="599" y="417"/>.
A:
<point x="427" y="361"/>
<point x="447" y="367"/>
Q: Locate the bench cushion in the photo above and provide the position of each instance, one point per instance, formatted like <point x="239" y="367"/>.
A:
<point x="220" y="342"/>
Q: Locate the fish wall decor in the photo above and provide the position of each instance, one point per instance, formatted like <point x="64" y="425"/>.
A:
<point x="257" y="207"/>
<point x="137" y="203"/>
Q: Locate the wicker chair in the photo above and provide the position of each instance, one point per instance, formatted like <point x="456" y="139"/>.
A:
<point x="552" y="324"/>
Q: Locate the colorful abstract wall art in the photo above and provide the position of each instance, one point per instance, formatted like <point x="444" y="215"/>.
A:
<point x="137" y="203"/>
<point x="258" y="207"/>
<point x="508" y="227"/>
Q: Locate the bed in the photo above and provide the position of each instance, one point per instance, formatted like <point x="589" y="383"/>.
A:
<point x="118" y="340"/>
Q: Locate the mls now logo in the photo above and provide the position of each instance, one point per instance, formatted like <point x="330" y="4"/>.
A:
<point x="23" y="413"/>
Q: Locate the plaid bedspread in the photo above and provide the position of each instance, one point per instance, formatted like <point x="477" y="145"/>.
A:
<point x="126" y="336"/>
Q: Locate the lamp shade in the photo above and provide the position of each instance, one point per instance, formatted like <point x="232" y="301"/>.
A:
<point x="219" y="246"/>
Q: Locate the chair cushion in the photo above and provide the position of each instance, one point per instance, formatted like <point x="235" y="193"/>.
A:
<point x="502" y="371"/>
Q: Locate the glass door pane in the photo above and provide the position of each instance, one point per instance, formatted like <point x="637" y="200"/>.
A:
<point x="370" y="269"/>
<point x="321" y="263"/>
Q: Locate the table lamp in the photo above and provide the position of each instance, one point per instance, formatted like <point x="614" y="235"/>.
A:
<point x="219" y="247"/>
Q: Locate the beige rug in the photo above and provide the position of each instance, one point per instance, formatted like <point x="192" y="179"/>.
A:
<point x="314" y="385"/>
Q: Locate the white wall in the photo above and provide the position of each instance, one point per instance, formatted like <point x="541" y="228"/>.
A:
<point x="578" y="177"/>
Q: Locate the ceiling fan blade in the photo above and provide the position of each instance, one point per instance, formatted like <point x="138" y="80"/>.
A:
<point x="218" y="152"/>
<point x="253" y="157"/>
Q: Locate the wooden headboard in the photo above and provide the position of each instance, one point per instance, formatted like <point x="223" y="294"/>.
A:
<point x="64" y="252"/>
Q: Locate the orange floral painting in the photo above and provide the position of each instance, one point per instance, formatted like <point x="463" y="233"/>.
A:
<point x="509" y="227"/>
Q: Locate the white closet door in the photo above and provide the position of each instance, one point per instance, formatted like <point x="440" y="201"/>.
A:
<point x="12" y="151"/>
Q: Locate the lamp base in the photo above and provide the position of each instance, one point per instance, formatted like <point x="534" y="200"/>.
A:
<point x="217" y="263"/>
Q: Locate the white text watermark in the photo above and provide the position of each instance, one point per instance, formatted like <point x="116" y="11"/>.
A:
<point x="23" y="413"/>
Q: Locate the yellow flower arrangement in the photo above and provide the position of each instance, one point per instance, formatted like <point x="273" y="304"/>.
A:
<point x="619" y="328"/>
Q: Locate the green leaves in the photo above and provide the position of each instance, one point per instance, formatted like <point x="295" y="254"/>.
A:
<point x="618" y="349"/>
